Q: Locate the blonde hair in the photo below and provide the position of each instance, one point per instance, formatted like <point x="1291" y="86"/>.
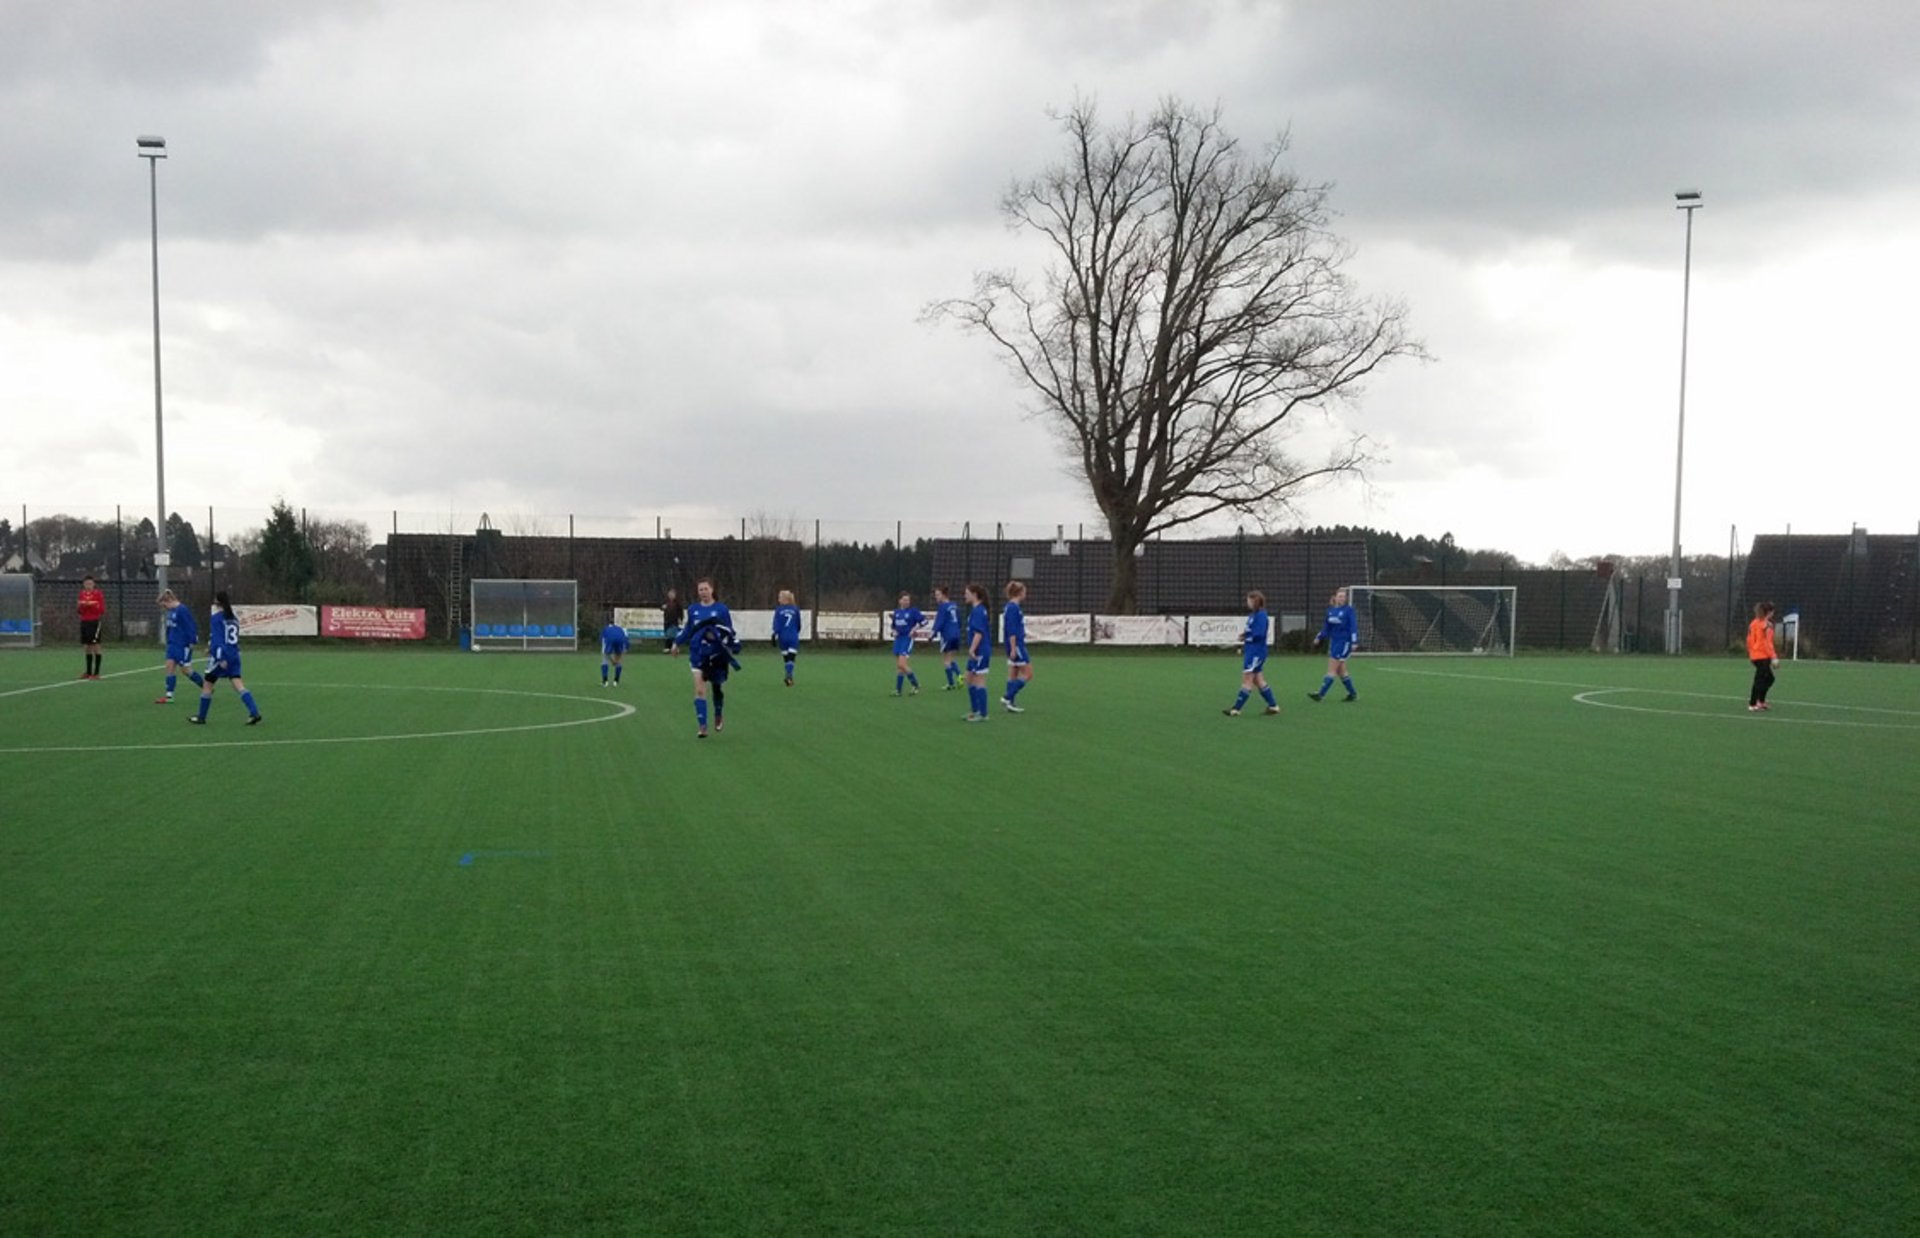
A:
<point x="786" y="597"/>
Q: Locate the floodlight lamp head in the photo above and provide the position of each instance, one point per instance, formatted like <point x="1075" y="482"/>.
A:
<point x="151" y="146"/>
<point x="1687" y="199"/>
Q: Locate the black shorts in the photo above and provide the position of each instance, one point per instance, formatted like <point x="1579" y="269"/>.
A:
<point x="714" y="667"/>
<point x="89" y="631"/>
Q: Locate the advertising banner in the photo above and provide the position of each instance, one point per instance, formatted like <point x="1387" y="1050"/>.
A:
<point x="374" y="622"/>
<point x="1217" y="630"/>
<point x="922" y="631"/>
<point x="1059" y="629"/>
<point x="642" y="622"/>
<point x="273" y="620"/>
<point x="1139" y="630"/>
<point x="846" y="625"/>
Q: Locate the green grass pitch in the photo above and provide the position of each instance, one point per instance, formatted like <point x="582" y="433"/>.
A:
<point x="468" y="944"/>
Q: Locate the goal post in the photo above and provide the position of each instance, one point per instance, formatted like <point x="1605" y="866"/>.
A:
<point x="525" y="615"/>
<point x="1436" y="619"/>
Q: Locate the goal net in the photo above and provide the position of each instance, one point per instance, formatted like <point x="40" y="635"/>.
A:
<point x="19" y="626"/>
<point x="1435" y="619"/>
<point x="525" y="615"/>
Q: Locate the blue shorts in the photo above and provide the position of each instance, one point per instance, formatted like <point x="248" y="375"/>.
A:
<point x="979" y="665"/>
<point x="790" y="651"/>
<point x="1339" y="650"/>
<point x="230" y="671"/>
<point x="182" y="654"/>
<point x="608" y="650"/>
<point x="1252" y="662"/>
<point x="949" y="644"/>
<point x="902" y="648"/>
<point x="1017" y="653"/>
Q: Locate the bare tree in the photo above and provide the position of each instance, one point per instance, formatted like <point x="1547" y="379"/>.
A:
<point x="1194" y="303"/>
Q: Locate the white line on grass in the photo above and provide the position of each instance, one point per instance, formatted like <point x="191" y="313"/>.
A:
<point x="1589" y="691"/>
<point x="1590" y="698"/>
<point x="76" y="681"/>
<point x="621" y="710"/>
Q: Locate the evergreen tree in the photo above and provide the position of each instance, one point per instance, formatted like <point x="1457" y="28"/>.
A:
<point x="285" y="556"/>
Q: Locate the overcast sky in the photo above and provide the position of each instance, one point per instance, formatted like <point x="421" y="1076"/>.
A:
<point x="635" y="259"/>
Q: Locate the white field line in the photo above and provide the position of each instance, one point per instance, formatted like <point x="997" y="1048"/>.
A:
<point x="621" y="710"/>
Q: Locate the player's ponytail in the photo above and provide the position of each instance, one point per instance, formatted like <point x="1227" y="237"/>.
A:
<point x="226" y="603"/>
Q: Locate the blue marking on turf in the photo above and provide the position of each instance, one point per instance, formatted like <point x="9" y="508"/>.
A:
<point x="471" y="856"/>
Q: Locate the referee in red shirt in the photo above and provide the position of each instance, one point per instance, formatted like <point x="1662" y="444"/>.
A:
<point x="92" y="610"/>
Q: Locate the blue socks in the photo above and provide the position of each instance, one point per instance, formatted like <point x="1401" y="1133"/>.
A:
<point x="953" y="673"/>
<point x="206" y="703"/>
<point x="977" y="697"/>
<point x="789" y="670"/>
<point x="603" y="672"/>
<point x="246" y="698"/>
<point x="616" y="671"/>
<point x="171" y="680"/>
<point x="1014" y="686"/>
<point x="1348" y="684"/>
<point x="899" y="682"/>
<point x="1241" y="699"/>
<point x="1326" y="685"/>
<point x="199" y="680"/>
<point x="700" y="710"/>
<point x="1266" y="694"/>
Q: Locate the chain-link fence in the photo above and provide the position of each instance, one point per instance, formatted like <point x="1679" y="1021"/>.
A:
<point x="1858" y="596"/>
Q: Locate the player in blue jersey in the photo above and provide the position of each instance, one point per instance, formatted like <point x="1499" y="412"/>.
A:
<point x="1341" y="631"/>
<point x="786" y="631"/>
<point x="182" y="635"/>
<point x="979" y="652"/>
<point x="711" y="643"/>
<point x="223" y="661"/>
<point x="905" y="618"/>
<point x="946" y="630"/>
<point x="613" y="653"/>
<point x="1013" y="630"/>
<point x="1253" y="657"/>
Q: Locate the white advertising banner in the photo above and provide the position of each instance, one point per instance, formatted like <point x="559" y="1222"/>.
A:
<point x="922" y="631"/>
<point x="276" y="620"/>
<point x="1059" y="629"/>
<point x="1217" y="630"/>
<point x="1139" y="630"/>
<point x="757" y="625"/>
<point x="641" y="622"/>
<point x="846" y="625"/>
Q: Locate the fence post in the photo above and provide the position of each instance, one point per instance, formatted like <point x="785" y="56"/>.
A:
<point x="1563" y="608"/>
<point x="815" y="634"/>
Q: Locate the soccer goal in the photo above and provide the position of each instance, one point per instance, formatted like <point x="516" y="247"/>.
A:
<point x="523" y="615"/>
<point x="1435" y="619"/>
<point x="19" y="620"/>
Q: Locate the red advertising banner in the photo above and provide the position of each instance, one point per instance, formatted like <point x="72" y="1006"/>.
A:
<point x="373" y="622"/>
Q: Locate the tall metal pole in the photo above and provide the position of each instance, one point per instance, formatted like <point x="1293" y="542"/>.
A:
<point x="154" y="149"/>
<point x="1687" y="200"/>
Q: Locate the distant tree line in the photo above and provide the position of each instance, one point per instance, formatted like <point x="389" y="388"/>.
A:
<point x="290" y="559"/>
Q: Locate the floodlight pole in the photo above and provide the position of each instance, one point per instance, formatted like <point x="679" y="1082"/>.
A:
<point x="153" y="149"/>
<point x="1687" y="200"/>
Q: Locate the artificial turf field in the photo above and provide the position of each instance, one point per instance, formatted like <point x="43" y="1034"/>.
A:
<point x="459" y="944"/>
